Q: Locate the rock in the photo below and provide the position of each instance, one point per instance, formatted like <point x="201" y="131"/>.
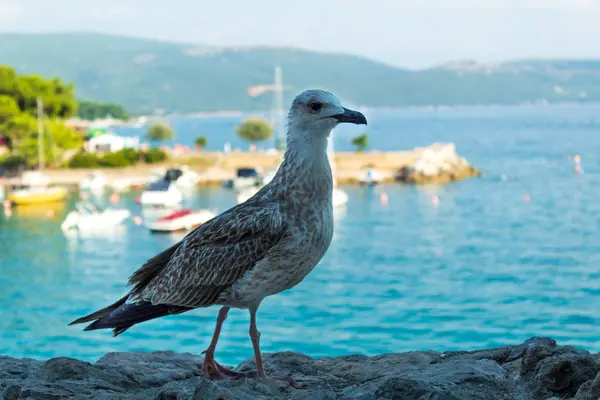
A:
<point x="537" y="369"/>
<point x="438" y="163"/>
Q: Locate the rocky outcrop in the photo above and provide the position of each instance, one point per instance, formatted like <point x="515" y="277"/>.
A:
<point x="438" y="163"/>
<point x="538" y="369"/>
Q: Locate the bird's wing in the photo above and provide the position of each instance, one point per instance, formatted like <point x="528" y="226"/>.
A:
<point x="213" y="257"/>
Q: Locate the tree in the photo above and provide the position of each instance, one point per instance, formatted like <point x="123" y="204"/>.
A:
<point x="159" y="132"/>
<point x="254" y="130"/>
<point x="361" y="142"/>
<point x="18" y="113"/>
<point x="201" y="142"/>
<point x="8" y="109"/>
<point x="91" y="110"/>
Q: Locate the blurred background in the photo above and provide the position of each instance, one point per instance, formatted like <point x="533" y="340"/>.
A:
<point x="466" y="211"/>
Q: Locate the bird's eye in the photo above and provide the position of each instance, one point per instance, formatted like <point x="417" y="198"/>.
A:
<point x="316" y="105"/>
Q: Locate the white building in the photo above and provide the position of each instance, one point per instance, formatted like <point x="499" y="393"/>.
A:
<point x="109" y="142"/>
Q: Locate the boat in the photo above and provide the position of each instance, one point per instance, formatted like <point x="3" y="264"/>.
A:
<point x="181" y="220"/>
<point x="161" y="193"/>
<point x="245" y="177"/>
<point x="370" y="178"/>
<point x="339" y="198"/>
<point x="88" y="216"/>
<point x="95" y="182"/>
<point x="35" y="186"/>
<point x="34" y="189"/>
<point x="187" y="178"/>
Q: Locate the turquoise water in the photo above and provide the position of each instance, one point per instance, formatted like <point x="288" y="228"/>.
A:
<point x="482" y="268"/>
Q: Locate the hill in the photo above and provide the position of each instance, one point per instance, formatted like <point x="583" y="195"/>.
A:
<point x="145" y="75"/>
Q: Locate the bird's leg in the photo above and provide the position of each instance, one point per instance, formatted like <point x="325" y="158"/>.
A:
<point x="260" y="371"/>
<point x="255" y="338"/>
<point x="210" y="367"/>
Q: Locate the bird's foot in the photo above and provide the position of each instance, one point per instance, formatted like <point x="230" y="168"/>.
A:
<point x="213" y="370"/>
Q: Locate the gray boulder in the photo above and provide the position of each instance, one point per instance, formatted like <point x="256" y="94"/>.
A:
<point x="538" y="369"/>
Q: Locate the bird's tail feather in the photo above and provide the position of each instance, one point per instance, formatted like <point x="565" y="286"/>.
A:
<point x="125" y="315"/>
<point x="101" y="313"/>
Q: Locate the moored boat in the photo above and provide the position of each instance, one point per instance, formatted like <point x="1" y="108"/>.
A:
<point x="181" y="220"/>
<point x="34" y="189"/>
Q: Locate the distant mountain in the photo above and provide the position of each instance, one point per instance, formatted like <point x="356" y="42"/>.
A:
<point x="145" y="75"/>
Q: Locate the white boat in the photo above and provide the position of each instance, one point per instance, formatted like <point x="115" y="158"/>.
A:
<point x="87" y="216"/>
<point x="181" y="220"/>
<point x="95" y="182"/>
<point x="187" y="179"/>
<point x="339" y="198"/>
<point x="245" y="178"/>
<point x="161" y="193"/>
<point x="34" y="189"/>
<point x="1" y="191"/>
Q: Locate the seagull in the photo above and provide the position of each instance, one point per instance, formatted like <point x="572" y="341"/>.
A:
<point x="256" y="249"/>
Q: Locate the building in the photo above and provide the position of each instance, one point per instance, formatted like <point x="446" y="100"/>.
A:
<point x="110" y="142"/>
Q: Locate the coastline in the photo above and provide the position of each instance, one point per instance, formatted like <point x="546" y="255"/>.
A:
<point x="216" y="167"/>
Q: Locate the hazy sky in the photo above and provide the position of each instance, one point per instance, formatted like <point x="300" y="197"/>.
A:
<point x="411" y="33"/>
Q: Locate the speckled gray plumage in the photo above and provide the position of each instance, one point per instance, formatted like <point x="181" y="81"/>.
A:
<point x="258" y="248"/>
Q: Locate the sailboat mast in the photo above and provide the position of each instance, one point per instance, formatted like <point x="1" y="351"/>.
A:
<point x="279" y="111"/>
<point x="40" y="123"/>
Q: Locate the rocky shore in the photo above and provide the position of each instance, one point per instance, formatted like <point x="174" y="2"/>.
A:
<point x="537" y="369"/>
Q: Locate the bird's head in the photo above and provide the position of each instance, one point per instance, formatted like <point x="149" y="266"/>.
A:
<point x="318" y="112"/>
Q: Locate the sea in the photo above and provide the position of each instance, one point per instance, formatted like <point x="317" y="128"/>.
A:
<point x="493" y="261"/>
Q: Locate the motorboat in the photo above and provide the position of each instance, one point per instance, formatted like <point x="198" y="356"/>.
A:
<point x="88" y="216"/>
<point x="339" y="198"/>
<point x="245" y="178"/>
<point x="370" y="178"/>
<point x="35" y="189"/>
<point x="161" y="193"/>
<point x="95" y="182"/>
<point x="181" y="220"/>
<point x="187" y="178"/>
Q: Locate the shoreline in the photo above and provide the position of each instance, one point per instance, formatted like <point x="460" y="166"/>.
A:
<point x="214" y="168"/>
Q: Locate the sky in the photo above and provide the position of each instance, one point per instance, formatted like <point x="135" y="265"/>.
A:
<point x="406" y="33"/>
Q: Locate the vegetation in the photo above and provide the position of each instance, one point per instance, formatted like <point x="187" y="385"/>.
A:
<point x="91" y="110"/>
<point x="201" y="142"/>
<point x="159" y="132"/>
<point x="361" y="142"/>
<point x="122" y="158"/>
<point x="254" y="130"/>
<point x="174" y="76"/>
<point x="18" y="111"/>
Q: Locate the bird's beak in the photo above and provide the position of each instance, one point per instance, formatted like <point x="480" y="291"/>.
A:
<point x="351" y="116"/>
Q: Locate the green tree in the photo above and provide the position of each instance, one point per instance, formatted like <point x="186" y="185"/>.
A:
<point x="201" y="142"/>
<point x="91" y="110"/>
<point x="361" y="142"/>
<point x="159" y="132"/>
<point x="254" y="130"/>
<point x="8" y="109"/>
